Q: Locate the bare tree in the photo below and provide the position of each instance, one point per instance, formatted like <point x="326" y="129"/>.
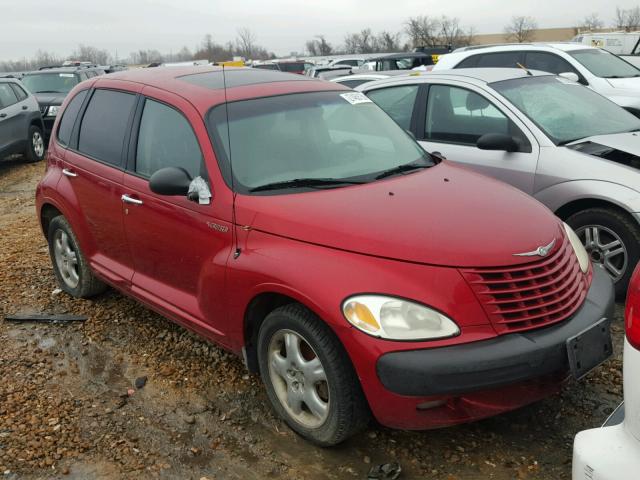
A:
<point x="387" y="42"/>
<point x="422" y="31"/>
<point x="591" y="22"/>
<point x="451" y="33"/>
<point x="87" y="53"/>
<point x="246" y="43"/>
<point x="319" y="46"/>
<point x="521" y="29"/>
<point x="627" y="19"/>
<point x="362" y="42"/>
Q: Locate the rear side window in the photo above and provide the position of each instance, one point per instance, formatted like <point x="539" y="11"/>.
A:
<point x="20" y="93"/>
<point x="166" y="139"/>
<point x="470" y="62"/>
<point x="548" y="62"/>
<point x="397" y="102"/>
<point x="7" y="95"/>
<point x="69" y="117"/>
<point x="500" y="60"/>
<point x="104" y="125"/>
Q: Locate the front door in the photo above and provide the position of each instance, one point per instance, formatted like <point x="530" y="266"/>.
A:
<point x="456" y="117"/>
<point x="179" y="247"/>
<point x="12" y="135"/>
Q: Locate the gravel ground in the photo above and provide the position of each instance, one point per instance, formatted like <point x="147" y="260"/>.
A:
<point x="69" y="407"/>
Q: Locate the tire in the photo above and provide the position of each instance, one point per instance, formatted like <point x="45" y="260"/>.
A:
<point x="347" y="411"/>
<point x="36" y="146"/>
<point x="69" y="265"/>
<point x="611" y="224"/>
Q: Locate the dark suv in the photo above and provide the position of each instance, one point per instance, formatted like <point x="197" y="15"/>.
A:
<point x="51" y="85"/>
<point x="20" y="122"/>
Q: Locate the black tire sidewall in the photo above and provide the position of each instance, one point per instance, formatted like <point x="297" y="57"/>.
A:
<point x="31" y="155"/>
<point x="328" y="434"/>
<point x="624" y="227"/>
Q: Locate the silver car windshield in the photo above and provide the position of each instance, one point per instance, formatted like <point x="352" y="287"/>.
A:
<point x="564" y="110"/>
<point x="604" y="64"/>
<point x="333" y="136"/>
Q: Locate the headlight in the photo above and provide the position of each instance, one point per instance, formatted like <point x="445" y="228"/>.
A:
<point x="578" y="248"/>
<point x="397" y="319"/>
<point x="52" y="111"/>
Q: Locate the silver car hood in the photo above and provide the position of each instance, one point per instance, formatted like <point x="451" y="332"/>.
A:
<point x="628" y="142"/>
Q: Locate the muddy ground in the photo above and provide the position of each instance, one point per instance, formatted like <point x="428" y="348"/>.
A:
<point x="66" y="411"/>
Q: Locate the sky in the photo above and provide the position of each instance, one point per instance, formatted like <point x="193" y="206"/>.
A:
<point x="282" y="26"/>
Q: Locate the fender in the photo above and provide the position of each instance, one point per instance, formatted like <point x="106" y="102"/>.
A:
<point x="560" y="194"/>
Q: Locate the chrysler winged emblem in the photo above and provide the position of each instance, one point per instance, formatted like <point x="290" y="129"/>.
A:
<point x="539" y="252"/>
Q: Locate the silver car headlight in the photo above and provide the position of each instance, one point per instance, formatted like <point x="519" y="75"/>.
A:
<point x="578" y="248"/>
<point x="52" y="111"/>
<point x="397" y="319"/>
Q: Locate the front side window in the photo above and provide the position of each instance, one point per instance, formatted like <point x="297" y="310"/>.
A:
<point x="604" y="64"/>
<point x="458" y="115"/>
<point x="7" y="95"/>
<point x="320" y="135"/>
<point x="165" y="139"/>
<point x="104" y="125"/>
<point x="69" y="117"/>
<point x="548" y="62"/>
<point x="564" y="110"/>
<point x="50" y="82"/>
<point x="398" y="102"/>
<point x="499" y="60"/>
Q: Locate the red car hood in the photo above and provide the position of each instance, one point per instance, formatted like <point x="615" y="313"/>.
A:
<point x="445" y="215"/>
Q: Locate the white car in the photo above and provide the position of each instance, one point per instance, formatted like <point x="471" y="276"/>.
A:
<point x="598" y="69"/>
<point x="353" y="81"/>
<point x="613" y="451"/>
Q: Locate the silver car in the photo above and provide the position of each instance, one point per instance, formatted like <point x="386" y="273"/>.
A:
<point x="569" y="147"/>
<point x="20" y="122"/>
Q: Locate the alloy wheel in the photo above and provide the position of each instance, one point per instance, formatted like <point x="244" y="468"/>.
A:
<point x="38" y="144"/>
<point x="605" y="247"/>
<point x="66" y="259"/>
<point x="298" y="378"/>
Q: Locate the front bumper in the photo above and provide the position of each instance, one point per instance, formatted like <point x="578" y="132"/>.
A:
<point x="499" y="362"/>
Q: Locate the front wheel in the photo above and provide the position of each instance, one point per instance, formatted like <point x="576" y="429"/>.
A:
<point x="36" y="146"/>
<point x="612" y="240"/>
<point x="309" y="378"/>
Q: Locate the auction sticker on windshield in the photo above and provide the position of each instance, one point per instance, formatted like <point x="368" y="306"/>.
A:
<point x="68" y="75"/>
<point x="354" y="98"/>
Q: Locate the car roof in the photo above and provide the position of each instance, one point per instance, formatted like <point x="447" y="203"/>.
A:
<point x="60" y="70"/>
<point x="478" y="75"/>
<point x="204" y="86"/>
<point x="504" y="47"/>
<point x="393" y="56"/>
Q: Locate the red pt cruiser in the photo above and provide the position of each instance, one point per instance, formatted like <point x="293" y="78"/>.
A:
<point x="293" y="222"/>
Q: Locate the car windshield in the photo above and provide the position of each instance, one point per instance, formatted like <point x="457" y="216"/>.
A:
<point x="564" y="110"/>
<point x="50" y="82"/>
<point x="604" y="64"/>
<point x="321" y="135"/>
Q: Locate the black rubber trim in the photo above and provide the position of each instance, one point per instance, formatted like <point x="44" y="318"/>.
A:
<point x="501" y="361"/>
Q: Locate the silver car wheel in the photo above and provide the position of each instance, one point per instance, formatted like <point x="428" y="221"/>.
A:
<point x="298" y="378"/>
<point x="605" y="247"/>
<point x="66" y="259"/>
<point x="38" y="144"/>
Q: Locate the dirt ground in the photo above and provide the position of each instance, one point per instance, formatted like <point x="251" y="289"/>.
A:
<point x="69" y="407"/>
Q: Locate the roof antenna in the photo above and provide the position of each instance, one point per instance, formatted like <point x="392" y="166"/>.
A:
<point x="525" y="69"/>
<point x="234" y="232"/>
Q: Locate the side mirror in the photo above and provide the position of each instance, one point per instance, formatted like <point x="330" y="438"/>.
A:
<point x="170" y="181"/>
<point x="570" y="76"/>
<point x="497" y="141"/>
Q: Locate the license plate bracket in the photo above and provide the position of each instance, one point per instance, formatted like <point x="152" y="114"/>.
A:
<point x="589" y="348"/>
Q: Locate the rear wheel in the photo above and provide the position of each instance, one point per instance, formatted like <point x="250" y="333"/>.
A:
<point x="612" y="240"/>
<point x="69" y="265"/>
<point x="36" y="146"/>
<point x="309" y="378"/>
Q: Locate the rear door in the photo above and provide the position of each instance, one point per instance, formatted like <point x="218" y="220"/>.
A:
<point x="93" y="172"/>
<point x="179" y="247"/>
<point x="458" y="114"/>
<point x="11" y="114"/>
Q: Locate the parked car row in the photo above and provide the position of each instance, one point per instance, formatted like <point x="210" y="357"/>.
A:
<point x="357" y="273"/>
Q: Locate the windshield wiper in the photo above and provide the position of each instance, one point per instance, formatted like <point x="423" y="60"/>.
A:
<point x="303" y="182"/>
<point x="407" y="167"/>
<point x="48" y="91"/>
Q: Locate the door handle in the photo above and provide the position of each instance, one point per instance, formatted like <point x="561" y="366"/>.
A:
<point x="24" y="107"/>
<point x="3" y="115"/>
<point x="127" y="199"/>
<point x="69" y="173"/>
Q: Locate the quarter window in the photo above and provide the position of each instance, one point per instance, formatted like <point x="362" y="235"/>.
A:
<point x="457" y="115"/>
<point x="69" y="117"/>
<point x="7" y="95"/>
<point x="397" y="102"/>
<point x="104" y="125"/>
<point x="20" y="93"/>
<point x="166" y="139"/>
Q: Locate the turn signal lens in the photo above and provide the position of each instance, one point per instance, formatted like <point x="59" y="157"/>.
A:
<point x="361" y="317"/>
<point x="578" y="248"/>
